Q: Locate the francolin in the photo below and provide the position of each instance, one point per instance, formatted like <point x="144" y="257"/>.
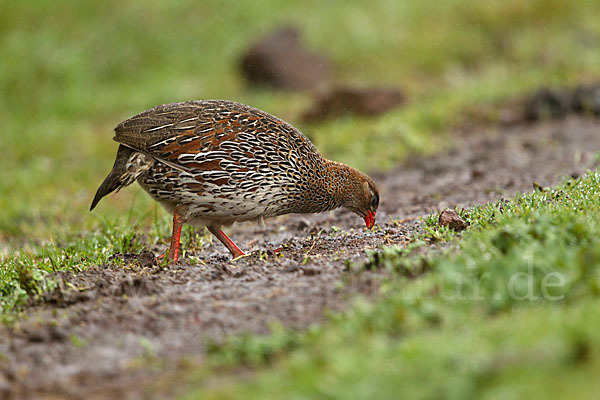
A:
<point x="212" y="163"/>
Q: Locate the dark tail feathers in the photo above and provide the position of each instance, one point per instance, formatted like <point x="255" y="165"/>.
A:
<point x="113" y="180"/>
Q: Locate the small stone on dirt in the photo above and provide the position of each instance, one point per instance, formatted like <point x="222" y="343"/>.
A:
<point x="281" y="61"/>
<point x="452" y="220"/>
<point x="370" y="101"/>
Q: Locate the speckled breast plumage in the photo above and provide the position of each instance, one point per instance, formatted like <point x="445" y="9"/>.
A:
<point x="225" y="162"/>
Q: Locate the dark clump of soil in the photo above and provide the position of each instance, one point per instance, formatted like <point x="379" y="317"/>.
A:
<point x="548" y="103"/>
<point x="342" y="100"/>
<point x="281" y="61"/>
<point x="119" y="330"/>
<point x="452" y="220"/>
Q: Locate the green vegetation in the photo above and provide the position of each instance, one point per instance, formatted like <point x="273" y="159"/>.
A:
<point x="449" y="325"/>
<point x="513" y="313"/>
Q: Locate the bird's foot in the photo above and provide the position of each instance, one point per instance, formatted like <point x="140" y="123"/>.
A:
<point x="243" y="255"/>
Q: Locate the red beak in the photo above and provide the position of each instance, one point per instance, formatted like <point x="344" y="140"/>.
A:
<point x="370" y="219"/>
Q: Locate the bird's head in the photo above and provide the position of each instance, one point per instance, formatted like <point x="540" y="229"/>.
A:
<point x="362" y="197"/>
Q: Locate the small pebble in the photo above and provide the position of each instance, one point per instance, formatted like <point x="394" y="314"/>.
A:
<point x="452" y="220"/>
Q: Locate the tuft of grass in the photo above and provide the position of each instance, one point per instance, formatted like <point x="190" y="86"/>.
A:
<point x="512" y="310"/>
<point x="28" y="275"/>
<point x="252" y="350"/>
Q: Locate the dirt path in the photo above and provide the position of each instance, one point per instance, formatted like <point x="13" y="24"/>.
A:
<point x="131" y="321"/>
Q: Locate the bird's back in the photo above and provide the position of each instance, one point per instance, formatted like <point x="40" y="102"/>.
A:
<point x="225" y="160"/>
<point x="172" y="128"/>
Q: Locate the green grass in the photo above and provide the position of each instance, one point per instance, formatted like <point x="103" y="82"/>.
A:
<point x="513" y="312"/>
<point x="71" y="70"/>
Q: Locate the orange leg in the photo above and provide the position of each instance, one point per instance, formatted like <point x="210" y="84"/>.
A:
<point x="235" y="251"/>
<point x="174" y="249"/>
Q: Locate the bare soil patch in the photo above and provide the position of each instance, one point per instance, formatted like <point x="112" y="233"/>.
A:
<point x="116" y="330"/>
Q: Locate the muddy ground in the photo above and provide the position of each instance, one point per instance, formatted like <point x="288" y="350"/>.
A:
<point x="131" y="322"/>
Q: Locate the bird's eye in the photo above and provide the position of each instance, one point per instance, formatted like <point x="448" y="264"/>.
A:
<point x="375" y="201"/>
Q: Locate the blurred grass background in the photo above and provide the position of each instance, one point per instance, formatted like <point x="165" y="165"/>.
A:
<point x="71" y="70"/>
